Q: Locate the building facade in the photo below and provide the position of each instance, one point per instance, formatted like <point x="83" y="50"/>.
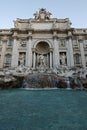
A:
<point x="43" y="41"/>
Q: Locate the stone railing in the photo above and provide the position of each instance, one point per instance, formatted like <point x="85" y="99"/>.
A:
<point x="5" y="31"/>
<point x="80" y="31"/>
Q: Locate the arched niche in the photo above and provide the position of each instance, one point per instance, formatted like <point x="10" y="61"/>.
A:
<point x="42" y="48"/>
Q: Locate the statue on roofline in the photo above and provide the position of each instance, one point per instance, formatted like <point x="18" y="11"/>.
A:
<point x="42" y="14"/>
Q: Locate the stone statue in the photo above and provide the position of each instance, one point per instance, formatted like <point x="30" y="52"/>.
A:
<point x="22" y="43"/>
<point x="42" y="14"/>
<point x="36" y="15"/>
<point x="48" y="15"/>
<point x="15" y="24"/>
<point x="69" y="33"/>
<point x="54" y="24"/>
<point x="21" y="59"/>
<point x="30" y="24"/>
<point x="63" y="59"/>
<point x="41" y="60"/>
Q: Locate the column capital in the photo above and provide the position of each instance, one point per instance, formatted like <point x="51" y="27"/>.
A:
<point x="15" y="35"/>
<point x="55" y="35"/>
<point x="29" y="37"/>
<point x="80" y="38"/>
<point x="69" y="35"/>
<point x="80" y="41"/>
<point x="29" y="34"/>
<point x="51" y="49"/>
<point x="33" y="49"/>
<point x="4" y="39"/>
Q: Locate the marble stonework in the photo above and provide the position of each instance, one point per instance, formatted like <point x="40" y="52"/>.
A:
<point x="52" y="39"/>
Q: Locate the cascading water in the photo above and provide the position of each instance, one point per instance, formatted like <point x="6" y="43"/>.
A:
<point x="40" y="80"/>
<point x="78" y="83"/>
<point x="68" y="84"/>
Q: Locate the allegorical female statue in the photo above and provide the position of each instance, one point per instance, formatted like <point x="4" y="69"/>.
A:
<point x="63" y="59"/>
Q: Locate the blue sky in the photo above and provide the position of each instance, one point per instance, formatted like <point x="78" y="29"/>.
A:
<point x="76" y="10"/>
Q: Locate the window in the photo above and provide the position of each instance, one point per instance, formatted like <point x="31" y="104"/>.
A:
<point x="85" y="42"/>
<point x="10" y="42"/>
<point x="86" y="58"/>
<point x="0" y="43"/>
<point x="0" y="58"/>
<point x="75" y="42"/>
<point x="77" y="59"/>
<point x="8" y="59"/>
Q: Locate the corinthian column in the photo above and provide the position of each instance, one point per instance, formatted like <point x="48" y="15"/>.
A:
<point x="4" y="42"/>
<point x="29" y="52"/>
<point x="34" y="60"/>
<point x="15" y="54"/>
<point x="70" y="58"/>
<point x="14" y="62"/>
<point x="50" y="59"/>
<point x="82" y="54"/>
<point x="55" y="52"/>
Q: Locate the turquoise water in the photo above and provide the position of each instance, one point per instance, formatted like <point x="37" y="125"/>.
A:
<point x="43" y="109"/>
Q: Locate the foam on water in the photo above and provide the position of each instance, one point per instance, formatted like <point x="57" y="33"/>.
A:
<point x="39" y="88"/>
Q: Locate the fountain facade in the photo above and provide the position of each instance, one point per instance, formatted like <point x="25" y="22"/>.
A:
<point x="44" y="51"/>
<point x="43" y="42"/>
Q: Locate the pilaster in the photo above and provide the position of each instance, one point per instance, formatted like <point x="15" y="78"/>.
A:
<point x="4" y="43"/>
<point x="29" y="51"/>
<point x="56" y="50"/>
<point x="34" y="60"/>
<point x="82" y="53"/>
<point x="70" y="57"/>
<point x="50" y="59"/>
<point x="15" y="54"/>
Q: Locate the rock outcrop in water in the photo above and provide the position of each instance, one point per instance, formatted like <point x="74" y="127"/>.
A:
<point x="9" y="79"/>
<point x="11" y="82"/>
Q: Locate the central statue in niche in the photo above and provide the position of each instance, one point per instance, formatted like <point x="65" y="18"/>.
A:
<point x="42" y="55"/>
<point x="42" y="61"/>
